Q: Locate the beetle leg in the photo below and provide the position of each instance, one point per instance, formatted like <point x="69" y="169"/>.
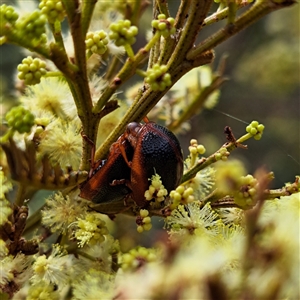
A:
<point x="126" y="198"/>
<point x="123" y="152"/>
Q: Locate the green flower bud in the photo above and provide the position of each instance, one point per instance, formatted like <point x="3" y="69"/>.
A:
<point x="31" y="70"/>
<point x="20" y="119"/>
<point x="123" y="33"/>
<point x="255" y="129"/>
<point x="157" y="78"/>
<point x="7" y="15"/>
<point x="164" y="26"/>
<point x="96" y="42"/>
<point x="32" y="26"/>
<point x="53" y="10"/>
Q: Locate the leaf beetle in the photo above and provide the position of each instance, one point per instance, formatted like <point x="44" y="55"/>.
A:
<point x="156" y="150"/>
<point x="99" y="187"/>
<point x="140" y="152"/>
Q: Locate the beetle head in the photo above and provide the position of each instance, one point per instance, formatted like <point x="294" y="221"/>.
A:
<point x="133" y="132"/>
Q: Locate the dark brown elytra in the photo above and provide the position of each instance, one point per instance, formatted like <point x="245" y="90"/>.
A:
<point x="156" y="151"/>
<point x="142" y="151"/>
<point x="99" y="187"/>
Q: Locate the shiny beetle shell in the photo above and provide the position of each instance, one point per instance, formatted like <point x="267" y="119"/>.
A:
<point x="156" y="151"/>
<point x="100" y="187"/>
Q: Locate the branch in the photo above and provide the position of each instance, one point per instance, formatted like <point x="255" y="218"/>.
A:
<point x="87" y="13"/>
<point x="196" y="16"/>
<point x="127" y="71"/>
<point x="147" y="99"/>
<point x="84" y="103"/>
<point x="257" y="11"/>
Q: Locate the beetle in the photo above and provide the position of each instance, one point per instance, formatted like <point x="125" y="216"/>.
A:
<point x="156" y="150"/>
<point x="99" y="186"/>
<point x="140" y="152"/>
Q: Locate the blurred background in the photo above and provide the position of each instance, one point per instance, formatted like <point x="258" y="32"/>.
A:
<point x="263" y="68"/>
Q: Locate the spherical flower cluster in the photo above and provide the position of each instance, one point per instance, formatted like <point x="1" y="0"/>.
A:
<point x="192" y="219"/>
<point x="255" y="129"/>
<point x="222" y="154"/>
<point x="62" y="144"/>
<point x="195" y="150"/>
<point x="7" y="15"/>
<point x="143" y="221"/>
<point x="61" y="211"/>
<point x="158" y="78"/>
<point x="96" y="42"/>
<point x="164" y="26"/>
<point x="181" y="195"/>
<point x="53" y="9"/>
<point x="136" y="258"/>
<point x="51" y="97"/>
<point x="31" y="70"/>
<point x="20" y="119"/>
<point x="156" y="190"/>
<point x="91" y="230"/>
<point x="55" y="268"/>
<point x="244" y="196"/>
<point x="123" y="33"/>
<point x="32" y="27"/>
